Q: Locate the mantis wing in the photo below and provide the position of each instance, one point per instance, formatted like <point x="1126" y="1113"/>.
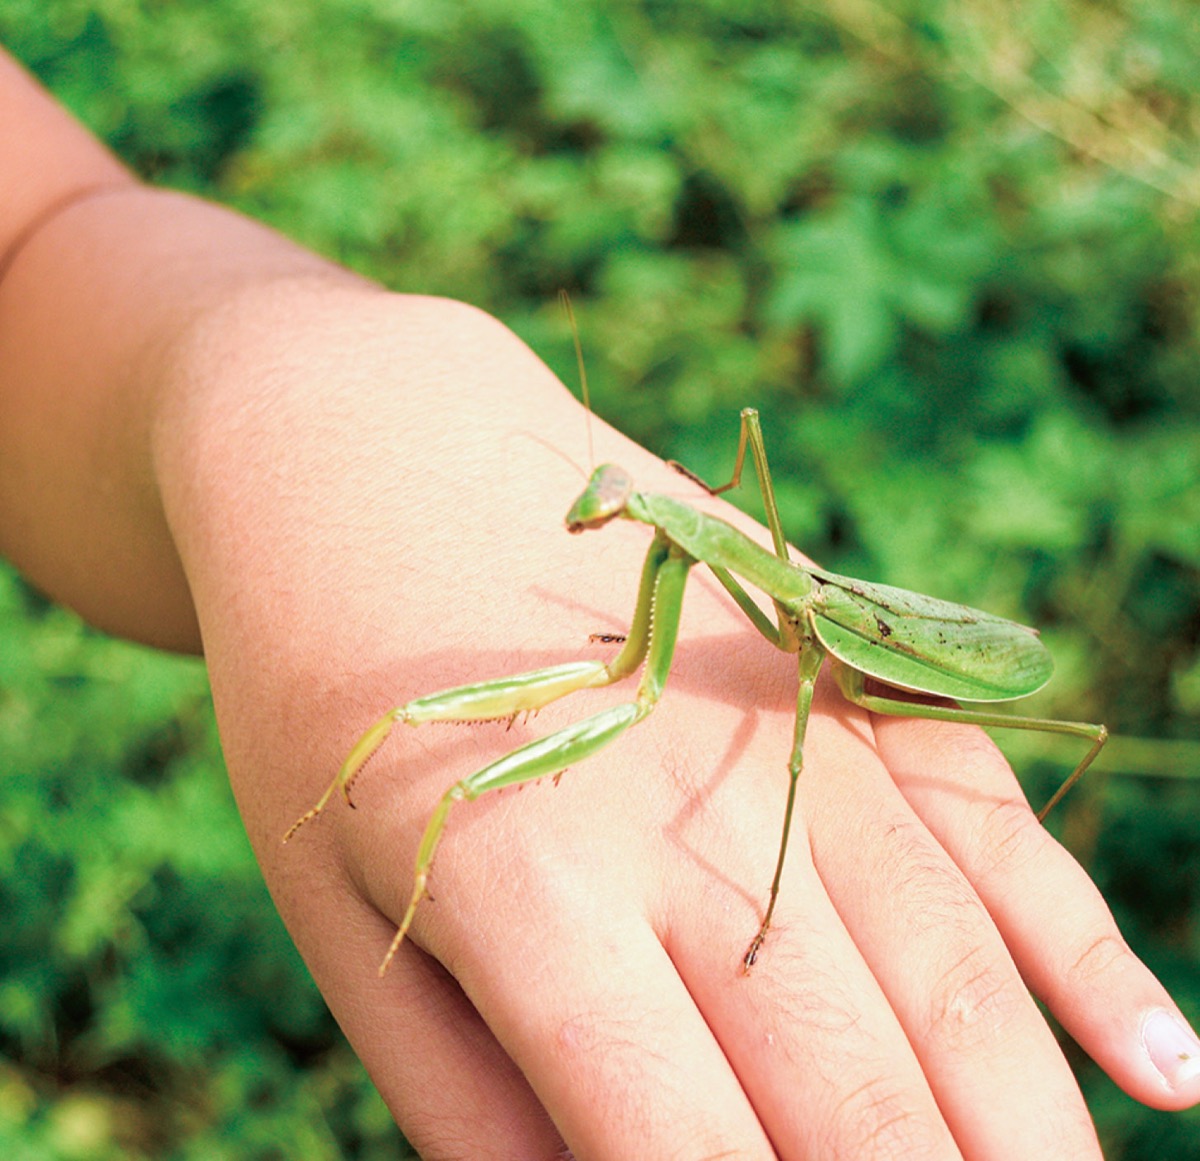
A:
<point x="922" y="644"/>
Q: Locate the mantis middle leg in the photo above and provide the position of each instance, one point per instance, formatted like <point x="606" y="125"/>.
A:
<point x="812" y="656"/>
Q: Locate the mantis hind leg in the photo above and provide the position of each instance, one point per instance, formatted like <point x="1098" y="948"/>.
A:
<point x="852" y="683"/>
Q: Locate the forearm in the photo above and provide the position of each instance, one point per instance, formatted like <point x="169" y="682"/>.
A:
<point x="212" y="436"/>
<point x="49" y="160"/>
<point x="102" y="282"/>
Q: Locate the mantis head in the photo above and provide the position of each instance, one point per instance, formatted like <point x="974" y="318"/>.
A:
<point x="604" y="498"/>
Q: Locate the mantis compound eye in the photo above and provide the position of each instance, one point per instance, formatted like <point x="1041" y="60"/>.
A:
<point x="604" y="498"/>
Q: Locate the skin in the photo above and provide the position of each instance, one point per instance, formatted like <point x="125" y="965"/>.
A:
<point x="211" y="439"/>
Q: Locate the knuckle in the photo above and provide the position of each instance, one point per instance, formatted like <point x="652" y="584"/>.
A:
<point x="1007" y="838"/>
<point x="974" y="999"/>
<point x="878" y="1119"/>
<point x="931" y="889"/>
<point x="1104" y="955"/>
<point x="825" y="1007"/>
<point x="974" y="990"/>
<point x="956" y="746"/>
<point x="975" y="750"/>
<point x="448" y="1137"/>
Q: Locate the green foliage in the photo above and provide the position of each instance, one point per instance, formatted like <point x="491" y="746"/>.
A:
<point x="949" y="250"/>
<point x="151" y="1004"/>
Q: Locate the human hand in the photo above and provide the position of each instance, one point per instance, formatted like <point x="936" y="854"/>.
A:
<point x="576" y="976"/>
<point x="597" y="928"/>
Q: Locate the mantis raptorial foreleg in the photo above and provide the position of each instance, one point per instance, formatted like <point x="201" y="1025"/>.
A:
<point x="484" y="701"/>
<point x="541" y="757"/>
<point x="555" y="752"/>
<point x="503" y="698"/>
<point x="651" y="639"/>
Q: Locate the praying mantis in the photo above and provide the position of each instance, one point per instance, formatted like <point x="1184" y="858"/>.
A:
<point x="890" y="636"/>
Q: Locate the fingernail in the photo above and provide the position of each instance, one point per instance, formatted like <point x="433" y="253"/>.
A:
<point x="1172" y="1046"/>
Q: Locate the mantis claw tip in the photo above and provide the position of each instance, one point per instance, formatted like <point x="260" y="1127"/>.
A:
<point x="291" y="830"/>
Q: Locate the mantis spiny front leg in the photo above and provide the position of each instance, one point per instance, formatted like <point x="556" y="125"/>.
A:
<point x="651" y="639"/>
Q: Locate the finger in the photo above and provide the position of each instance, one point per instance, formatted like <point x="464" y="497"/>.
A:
<point x="583" y="997"/>
<point x="1079" y="964"/>
<point x="451" y="1087"/>
<point x="999" y="1077"/>
<point x="809" y="1032"/>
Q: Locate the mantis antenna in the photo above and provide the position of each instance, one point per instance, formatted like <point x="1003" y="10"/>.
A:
<point x="565" y="299"/>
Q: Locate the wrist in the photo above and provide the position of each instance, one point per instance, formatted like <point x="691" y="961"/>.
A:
<point x="335" y="446"/>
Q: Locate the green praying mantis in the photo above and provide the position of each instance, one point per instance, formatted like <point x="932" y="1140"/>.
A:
<point x="892" y="637"/>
